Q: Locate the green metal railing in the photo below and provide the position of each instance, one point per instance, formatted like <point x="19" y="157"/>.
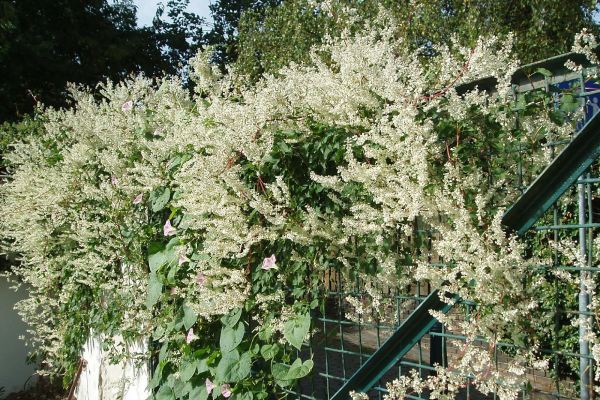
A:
<point x="345" y="351"/>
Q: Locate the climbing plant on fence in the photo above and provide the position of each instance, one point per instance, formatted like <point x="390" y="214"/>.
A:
<point x="205" y="223"/>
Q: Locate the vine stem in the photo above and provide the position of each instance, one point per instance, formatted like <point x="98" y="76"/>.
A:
<point x="80" y="368"/>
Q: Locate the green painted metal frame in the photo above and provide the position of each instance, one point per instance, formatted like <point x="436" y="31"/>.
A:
<point x="558" y="176"/>
<point x="418" y="323"/>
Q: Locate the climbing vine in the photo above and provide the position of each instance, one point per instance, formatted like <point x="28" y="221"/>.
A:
<point x="205" y="224"/>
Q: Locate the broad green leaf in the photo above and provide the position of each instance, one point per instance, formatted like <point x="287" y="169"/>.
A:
<point x="160" y="254"/>
<point x="279" y="372"/>
<point x="199" y="393"/>
<point x="155" y="256"/>
<point x="300" y="369"/>
<point x="164" y="393"/>
<point x="178" y="388"/>
<point x="187" y="388"/>
<point x="187" y="370"/>
<point x="231" y="337"/>
<point x="159" y="199"/>
<point x="268" y="351"/>
<point x="202" y="366"/>
<point x="158" y="332"/>
<point x="233" y="368"/>
<point x="189" y="317"/>
<point x="232" y="318"/>
<point x="568" y="103"/>
<point x="544" y="72"/>
<point x="162" y="354"/>
<point x="243" y="396"/>
<point x="172" y="272"/>
<point x="154" y="290"/>
<point x="296" y="329"/>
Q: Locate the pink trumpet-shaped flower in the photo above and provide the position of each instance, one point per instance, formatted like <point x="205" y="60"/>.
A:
<point x="209" y="386"/>
<point x="225" y="390"/>
<point x="182" y="259"/>
<point x="189" y="338"/>
<point x="269" y="263"/>
<point x="114" y="180"/>
<point x="168" y="229"/>
<point x="138" y="199"/>
<point x="127" y="106"/>
<point x="200" y="279"/>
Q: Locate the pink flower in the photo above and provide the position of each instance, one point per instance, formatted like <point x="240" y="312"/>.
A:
<point x="200" y="279"/>
<point x="269" y="263"/>
<point x="183" y="259"/>
<point x="225" y="390"/>
<point x="173" y="291"/>
<point x="168" y="230"/>
<point x="209" y="385"/>
<point x="138" y="199"/>
<point x="114" y="180"/>
<point x="190" y="336"/>
<point x="127" y="106"/>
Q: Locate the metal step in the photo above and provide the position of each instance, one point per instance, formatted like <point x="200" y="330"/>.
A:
<point x="558" y="176"/>
<point x="418" y="323"/>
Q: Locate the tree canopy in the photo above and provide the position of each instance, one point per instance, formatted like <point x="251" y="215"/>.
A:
<point x="46" y="43"/>
<point x="285" y="32"/>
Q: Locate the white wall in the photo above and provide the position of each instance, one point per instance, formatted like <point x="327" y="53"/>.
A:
<point x="14" y="371"/>
<point x="100" y="379"/>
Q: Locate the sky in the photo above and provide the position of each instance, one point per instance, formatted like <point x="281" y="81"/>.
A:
<point x="147" y="9"/>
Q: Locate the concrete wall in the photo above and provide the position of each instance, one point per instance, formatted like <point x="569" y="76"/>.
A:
<point x="14" y="371"/>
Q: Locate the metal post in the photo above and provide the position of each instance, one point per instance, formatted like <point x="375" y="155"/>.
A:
<point x="584" y="377"/>
<point x="437" y="348"/>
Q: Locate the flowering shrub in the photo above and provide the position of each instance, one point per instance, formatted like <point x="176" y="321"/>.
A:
<point x="206" y="222"/>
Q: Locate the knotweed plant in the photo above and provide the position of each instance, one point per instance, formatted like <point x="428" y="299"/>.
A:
<point x="206" y="223"/>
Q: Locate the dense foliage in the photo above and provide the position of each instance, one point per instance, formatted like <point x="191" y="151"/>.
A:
<point x="206" y="223"/>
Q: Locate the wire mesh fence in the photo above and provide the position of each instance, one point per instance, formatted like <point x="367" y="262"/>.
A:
<point x="341" y="342"/>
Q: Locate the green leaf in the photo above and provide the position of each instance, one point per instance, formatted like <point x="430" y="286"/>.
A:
<point x="300" y="369"/>
<point x="231" y="337"/>
<point x="279" y="372"/>
<point x="187" y="370"/>
<point x="268" y="351"/>
<point x="172" y="272"/>
<point x="233" y="368"/>
<point x="296" y="329"/>
<point x="189" y="317"/>
<point x="202" y="366"/>
<point x="158" y="333"/>
<point x="199" y="393"/>
<point x="178" y="388"/>
<point x="568" y="103"/>
<point x="154" y="290"/>
<point x="164" y="349"/>
<point x="155" y="256"/>
<point x="232" y="318"/>
<point x="164" y="393"/>
<point x="544" y="72"/>
<point x="159" y="199"/>
<point x="243" y="396"/>
<point x="160" y="254"/>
